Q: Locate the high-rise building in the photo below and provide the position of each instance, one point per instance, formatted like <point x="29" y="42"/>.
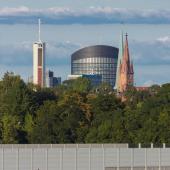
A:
<point x="95" y="79"/>
<point x="39" y="62"/>
<point x="49" y="78"/>
<point x="52" y="81"/>
<point x="96" y="60"/>
<point x="56" y="81"/>
<point x="126" y="72"/>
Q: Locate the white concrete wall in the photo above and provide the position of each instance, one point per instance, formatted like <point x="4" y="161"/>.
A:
<point x="82" y="157"/>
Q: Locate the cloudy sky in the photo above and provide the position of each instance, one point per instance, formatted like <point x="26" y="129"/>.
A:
<point x="68" y="25"/>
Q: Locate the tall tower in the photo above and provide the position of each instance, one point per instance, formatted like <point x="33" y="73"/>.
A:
<point x="39" y="61"/>
<point x="121" y="49"/>
<point x="126" y="72"/>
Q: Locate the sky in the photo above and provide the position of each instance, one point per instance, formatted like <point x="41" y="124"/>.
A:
<point x="69" y="25"/>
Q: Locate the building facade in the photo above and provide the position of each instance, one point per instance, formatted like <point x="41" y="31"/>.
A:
<point x="98" y="60"/>
<point x="83" y="157"/>
<point x="49" y="78"/>
<point x="95" y="79"/>
<point x="56" y="81"/>
<point x="52" y="81"/>
<point x="73" y="77"/>
<point x="39" y="62"/>
<point x="126" y="72"/>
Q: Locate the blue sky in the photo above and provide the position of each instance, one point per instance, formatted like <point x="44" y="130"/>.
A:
<point x="68" y="25"/>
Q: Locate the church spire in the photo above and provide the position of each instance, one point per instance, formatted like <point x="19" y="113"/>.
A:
<point x="126" y="73"/>
<point x="126" y="51"/>
<point x="121" y="49"/>
<point x="131" y="66"/>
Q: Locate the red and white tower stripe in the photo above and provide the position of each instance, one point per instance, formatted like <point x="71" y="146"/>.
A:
<point x="39" y="62"/>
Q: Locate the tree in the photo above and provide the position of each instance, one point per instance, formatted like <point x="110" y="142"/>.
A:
<point x="28" y="127"/>
<point x="73" y="117"/>
<point x="10" y="129"/>
<point x="105" y="122"/>
<point x="80" y="85"/>
<point x="45" y="122"/>
<point x="15" y="102"/>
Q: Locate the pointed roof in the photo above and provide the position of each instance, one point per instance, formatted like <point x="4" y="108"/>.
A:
<point x="121" y="49"/>
<point x="126" y="65"/>
<point x="131" y="68"/>
<point x="126" y="50"/>
<point x="126" y="69"/>
<point x="121" y="46"/>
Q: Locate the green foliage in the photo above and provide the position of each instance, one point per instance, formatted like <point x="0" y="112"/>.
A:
<point x="81" y="85"/>
<point x="45" y="121"/>
<point x="10" y="128"/>
<point x="74" y="112"/>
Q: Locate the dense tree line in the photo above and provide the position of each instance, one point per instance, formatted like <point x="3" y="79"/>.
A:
<point x="76" y="112"/>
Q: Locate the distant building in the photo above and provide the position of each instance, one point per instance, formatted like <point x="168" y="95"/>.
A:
<point x="142" y="88"/>
<point x="39" y="62"/>
<point x="126" y="72"/>
<point x="30" y="79"/>
<point x="95" y="79"/>
<point x="52" y="81"/>
<point x="97" y="60"/>
<point x="49" y="78"/>
<point x="73" y="77"/>
<point x="56" y="81"/>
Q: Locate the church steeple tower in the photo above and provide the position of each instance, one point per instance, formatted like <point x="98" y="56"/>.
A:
<point x="121" y="49"/>
<point x="126" y="73"/>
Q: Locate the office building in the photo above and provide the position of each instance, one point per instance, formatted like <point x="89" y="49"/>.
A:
<point x="95" y="79"/>
<point x="56" y="81"/>
<point x="73" y="77"/>
<point x="39" y="62"/>
<point x="52" y="81"/>
<point x="97" y="60"/>
<point x="49" y="78"/>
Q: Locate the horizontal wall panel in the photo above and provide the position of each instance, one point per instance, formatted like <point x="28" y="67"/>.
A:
<point x="111" y="157"/>
<point x="25" y="161"/>
<point x="97" y="158"/>
<point x="54" y="158"/>
<point x="139" y="157"/>
<point x="82" y="157"/>
<point x="125" y="157"/>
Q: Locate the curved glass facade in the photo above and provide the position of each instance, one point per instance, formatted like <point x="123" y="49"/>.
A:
<point x="100" y="60"/>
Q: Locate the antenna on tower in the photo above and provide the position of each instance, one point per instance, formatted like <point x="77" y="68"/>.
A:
<point x="39" y="30"/>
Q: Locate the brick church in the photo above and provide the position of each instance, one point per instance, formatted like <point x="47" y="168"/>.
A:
<point x="125" y="71"/>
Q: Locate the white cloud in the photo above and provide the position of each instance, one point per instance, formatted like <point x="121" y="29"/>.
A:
<point x="146" y="74"/>
<point x="149" y="83"/>
<point x="165" y="40"/>
<point x="155" y="52"/>
<point x="21" y="53"/>
<point x="92" y="15"/>
<point x="14" y="11"/>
